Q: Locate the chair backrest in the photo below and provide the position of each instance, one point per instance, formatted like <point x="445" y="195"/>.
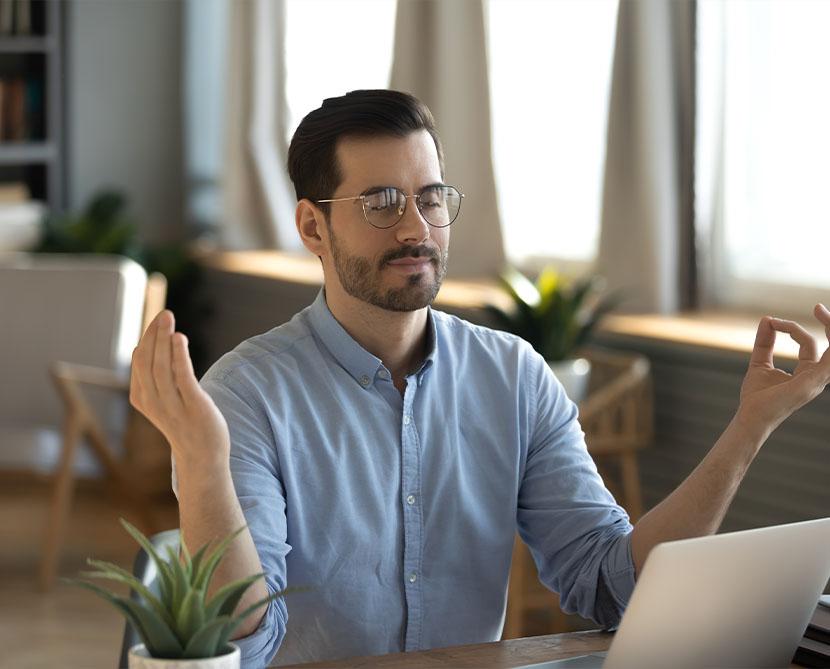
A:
<point x="85" y="309"/>
<point x="144" y="569"/>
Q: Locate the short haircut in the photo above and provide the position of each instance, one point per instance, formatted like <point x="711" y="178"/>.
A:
<point x="312" y="155"/>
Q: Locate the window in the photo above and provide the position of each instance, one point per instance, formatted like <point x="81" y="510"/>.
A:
<point x="332" y="47"/>
<point x="550" y="72"/>
<point x="764" y="150"/>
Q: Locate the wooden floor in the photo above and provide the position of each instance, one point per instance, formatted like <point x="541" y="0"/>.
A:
<point x="67" y="627"/>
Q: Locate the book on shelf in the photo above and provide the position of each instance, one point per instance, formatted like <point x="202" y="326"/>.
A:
<point x="15" y="17"/>
<point x="21" y="110"/>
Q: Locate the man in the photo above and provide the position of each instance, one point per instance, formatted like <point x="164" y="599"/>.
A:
<point x="384" y="453"/>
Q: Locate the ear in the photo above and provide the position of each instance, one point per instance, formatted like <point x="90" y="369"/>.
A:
<point x="311" y="225"/>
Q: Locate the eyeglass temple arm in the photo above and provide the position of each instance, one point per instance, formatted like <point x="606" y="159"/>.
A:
<point x="341" y="199"/>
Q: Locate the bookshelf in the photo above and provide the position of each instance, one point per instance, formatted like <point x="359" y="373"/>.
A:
<point x="31" y="98"/>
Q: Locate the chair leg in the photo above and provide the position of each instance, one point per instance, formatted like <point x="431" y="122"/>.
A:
<point x="62" y="488"/>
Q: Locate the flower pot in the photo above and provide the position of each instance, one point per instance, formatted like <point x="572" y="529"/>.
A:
<point x="139" y="658"/>
<point x="573" y="375"/>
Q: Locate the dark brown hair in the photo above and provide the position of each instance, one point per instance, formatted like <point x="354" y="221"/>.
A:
<point x="312" y="157"/>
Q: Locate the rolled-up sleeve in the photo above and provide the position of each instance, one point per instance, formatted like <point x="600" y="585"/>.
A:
<point x="580" y="538"/>
<point x="257" y="480"/>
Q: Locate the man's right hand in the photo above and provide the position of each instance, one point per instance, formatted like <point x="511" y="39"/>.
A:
<point x="164" y="388"/>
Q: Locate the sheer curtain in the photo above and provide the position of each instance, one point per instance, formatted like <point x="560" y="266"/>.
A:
<point x="763" y="143"/>
<point x="258" y="198"/>
<point x="647" y="245"/>
<point x="441" y="57"/>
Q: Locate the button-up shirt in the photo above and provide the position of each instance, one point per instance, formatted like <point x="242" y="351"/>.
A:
<point x="399" y="510"/>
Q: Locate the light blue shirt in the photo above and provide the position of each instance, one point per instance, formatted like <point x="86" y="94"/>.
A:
<point x="400" y="511"/>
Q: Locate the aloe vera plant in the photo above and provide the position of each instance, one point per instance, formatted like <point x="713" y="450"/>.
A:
<point x="552" y="315"/>
<point x="181" y="622"/>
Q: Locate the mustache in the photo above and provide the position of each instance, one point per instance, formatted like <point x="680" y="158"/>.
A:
<point x="410" y="252"/>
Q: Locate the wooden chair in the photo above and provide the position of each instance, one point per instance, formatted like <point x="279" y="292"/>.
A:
<point x="617" y="418"/>
<point x="138" y="478"/>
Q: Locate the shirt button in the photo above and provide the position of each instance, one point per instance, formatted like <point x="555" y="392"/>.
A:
<point x="410" y="500"/>
<point x="406" y="420"/>
<point x="413" y="577"/>
<point x="383" y="374"/>
<point x="365" y="380"/>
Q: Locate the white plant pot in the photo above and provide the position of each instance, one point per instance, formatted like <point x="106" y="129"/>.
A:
<point x="573" y="375"/>
<point x="139" y="658"/>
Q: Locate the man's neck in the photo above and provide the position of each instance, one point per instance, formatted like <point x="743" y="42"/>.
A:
<point x="398" y="338"/>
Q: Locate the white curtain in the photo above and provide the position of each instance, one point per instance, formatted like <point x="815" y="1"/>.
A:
<point x="441" y="58"/>
<point x="646" y="242"/>
<point x="258" y="200"/>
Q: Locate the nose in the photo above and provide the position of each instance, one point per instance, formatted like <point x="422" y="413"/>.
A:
<point x="412" y="228"/>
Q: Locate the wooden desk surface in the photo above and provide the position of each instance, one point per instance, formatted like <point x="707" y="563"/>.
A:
<point x="497" y="655"/>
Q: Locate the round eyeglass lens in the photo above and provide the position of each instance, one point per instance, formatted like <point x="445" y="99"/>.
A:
<point x="439" y="205"/>
<point x="384" y="207"/>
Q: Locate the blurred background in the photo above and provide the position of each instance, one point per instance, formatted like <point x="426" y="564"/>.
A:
<point x="674" y="151"/>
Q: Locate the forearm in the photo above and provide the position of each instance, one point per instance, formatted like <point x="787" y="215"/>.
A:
<point x="209" y="510"/>
<point x="697" y="507"/>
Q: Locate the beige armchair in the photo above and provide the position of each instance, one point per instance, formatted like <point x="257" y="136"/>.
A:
<point x="71" y="322"/>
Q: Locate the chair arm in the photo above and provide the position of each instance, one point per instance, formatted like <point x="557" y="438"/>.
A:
<point x="72" y="373"/>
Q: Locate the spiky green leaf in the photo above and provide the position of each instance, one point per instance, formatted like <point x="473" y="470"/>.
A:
<point x="206" y="641"/>
<point x="154" y="631"/>
<point x="181" y="584"/>
<point x="113" y="572"/>
<point x="209" y="564"/>
<point x="225" y="600"/>
<point x="191" y="616"/>
<point x="165" y="576"/>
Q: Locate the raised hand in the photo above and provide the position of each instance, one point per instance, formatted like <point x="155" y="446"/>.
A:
<point x="769" y="395"/>
<point x="164" y="388"/>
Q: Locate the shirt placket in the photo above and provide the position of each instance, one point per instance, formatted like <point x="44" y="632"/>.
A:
<point x="413" y="532"/>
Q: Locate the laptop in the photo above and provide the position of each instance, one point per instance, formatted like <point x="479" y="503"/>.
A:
<point x="741" y="599"/>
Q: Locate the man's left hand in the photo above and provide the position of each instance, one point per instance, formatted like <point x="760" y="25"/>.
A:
<point x="770" y="395"/>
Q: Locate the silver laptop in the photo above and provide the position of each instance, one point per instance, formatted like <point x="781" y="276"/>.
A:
<point x="730" y="600"/>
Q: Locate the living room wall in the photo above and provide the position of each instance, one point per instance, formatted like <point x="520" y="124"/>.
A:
<point x="123" y="99"/>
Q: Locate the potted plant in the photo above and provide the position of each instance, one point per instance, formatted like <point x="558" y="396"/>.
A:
<point x="180" y="626"/>
<point x="556" y="318"/>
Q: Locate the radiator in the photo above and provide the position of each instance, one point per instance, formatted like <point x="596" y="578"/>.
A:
<point x="696" y="395"/>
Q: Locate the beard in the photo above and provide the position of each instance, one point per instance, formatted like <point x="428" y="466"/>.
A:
<point x="362" y="279"/>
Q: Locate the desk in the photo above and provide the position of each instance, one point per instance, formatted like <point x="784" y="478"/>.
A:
<point x="496" y="655"/>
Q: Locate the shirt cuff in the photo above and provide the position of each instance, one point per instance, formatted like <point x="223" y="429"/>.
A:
<point x="259" y="647"/>
<point x="617" y="579"/>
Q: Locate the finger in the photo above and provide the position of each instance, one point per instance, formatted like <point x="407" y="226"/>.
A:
<point x="135" y="381"/>
<point x="807" y="346"/>
<point x="183" y="370"/>
<point x="823" y="314"/>
<point x="764" y="343"/>
<point x="142" y="368"/>
<point x="162" y="366"/>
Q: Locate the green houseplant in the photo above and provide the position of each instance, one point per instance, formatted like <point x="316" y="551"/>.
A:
<point x="557" y="318"/>
<point x="180" y="622"/>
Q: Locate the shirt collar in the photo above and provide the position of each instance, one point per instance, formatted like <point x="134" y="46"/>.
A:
<point x="361" y="365"/>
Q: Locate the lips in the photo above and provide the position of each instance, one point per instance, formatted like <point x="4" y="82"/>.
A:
<point x="410" y="261"/>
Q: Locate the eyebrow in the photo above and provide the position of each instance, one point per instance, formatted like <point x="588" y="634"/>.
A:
<point x="378" y="189"/>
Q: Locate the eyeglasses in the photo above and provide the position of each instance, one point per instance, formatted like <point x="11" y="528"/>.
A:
<point x="384" y="207"/>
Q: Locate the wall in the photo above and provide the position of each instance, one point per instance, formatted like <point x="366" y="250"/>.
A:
<point x="123" y="89"/>
<point x="696" y="394"/>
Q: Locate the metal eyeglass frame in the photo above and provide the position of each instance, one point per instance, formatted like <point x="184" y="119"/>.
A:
<point x="417" y="197"/>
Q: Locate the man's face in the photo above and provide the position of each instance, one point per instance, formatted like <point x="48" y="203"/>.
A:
<point x="399" y="268"/>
